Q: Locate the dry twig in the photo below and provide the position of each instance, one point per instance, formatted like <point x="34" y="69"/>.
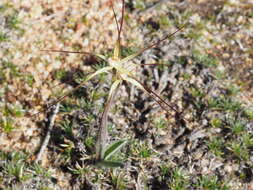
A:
<point x="49" y="130"/>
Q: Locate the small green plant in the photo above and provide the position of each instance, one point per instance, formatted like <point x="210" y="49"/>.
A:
<point x="9" y="71"/>
<point x="15" y="167"/>
<point x="3" y="37"/>
<point x="224" y="103"/>
<point x="13" y="21"/>
<point x="85" y="104"/>
<point x="7" y="124"/>
<point x="16" y="170"/>
<point x="145" y="152"/>
<point x="68" y="148"/>
<point x="89" y="142"/>
<point x="196" y="92"/>
<point x="13" y="110"/>
<point x="160" y="123"/>
<point x="247" y="140"/>
<point x="67" y="126"/>
<point x="204" y="59"/>
<point x="67" y="106"/>
<point x="95" y="95"/>
<point x="140" y="149"/>
<point x="238" y="127"/>
<point x="179" y="181"/>
<point x="164" y="21"/>
<point x="89" y="119"/>
<point x="211" y="183"/>
<point x="60" y="74"/>
<point x="216" y="122"/>
<point x="140" y="4"/>
<point x="165" y="170"/>
<point x="29" y="80"/>
<point x="186" y="76"/>
<point x="40" y="171"/>
<point x="14" y="70"/>
<point x="79" y="170"/>
<point x="194" y="35"/>
<point x="118" y="180"/>
<point x="220" y="74"/>
<point x="215" y="145"/>
<point x="248" y="113"/>
<point x="233" y="89"/>
<point x="239" y="150"/>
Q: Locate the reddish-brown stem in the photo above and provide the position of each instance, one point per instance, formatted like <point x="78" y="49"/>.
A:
<point x="115" y="18"/>
<point x="160" y="101"/>
<point x="122" y="18"/>
<point x="61" y="98"/>
<point x="64" y="51"/>
<point x="119" y="28"/>
<point x="161" y="40"/>
<point x="153" y="64"/>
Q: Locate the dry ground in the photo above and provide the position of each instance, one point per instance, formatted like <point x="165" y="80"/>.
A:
<point x="208" y="76"/>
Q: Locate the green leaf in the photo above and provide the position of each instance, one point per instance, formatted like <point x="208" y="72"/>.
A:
<point x="109" y="164"/>
<point x="113" y="148"/>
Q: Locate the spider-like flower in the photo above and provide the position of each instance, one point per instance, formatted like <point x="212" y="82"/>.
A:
<point x="122" y="70"/>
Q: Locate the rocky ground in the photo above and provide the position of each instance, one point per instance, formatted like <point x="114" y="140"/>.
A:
<point x="207" y="75"/>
